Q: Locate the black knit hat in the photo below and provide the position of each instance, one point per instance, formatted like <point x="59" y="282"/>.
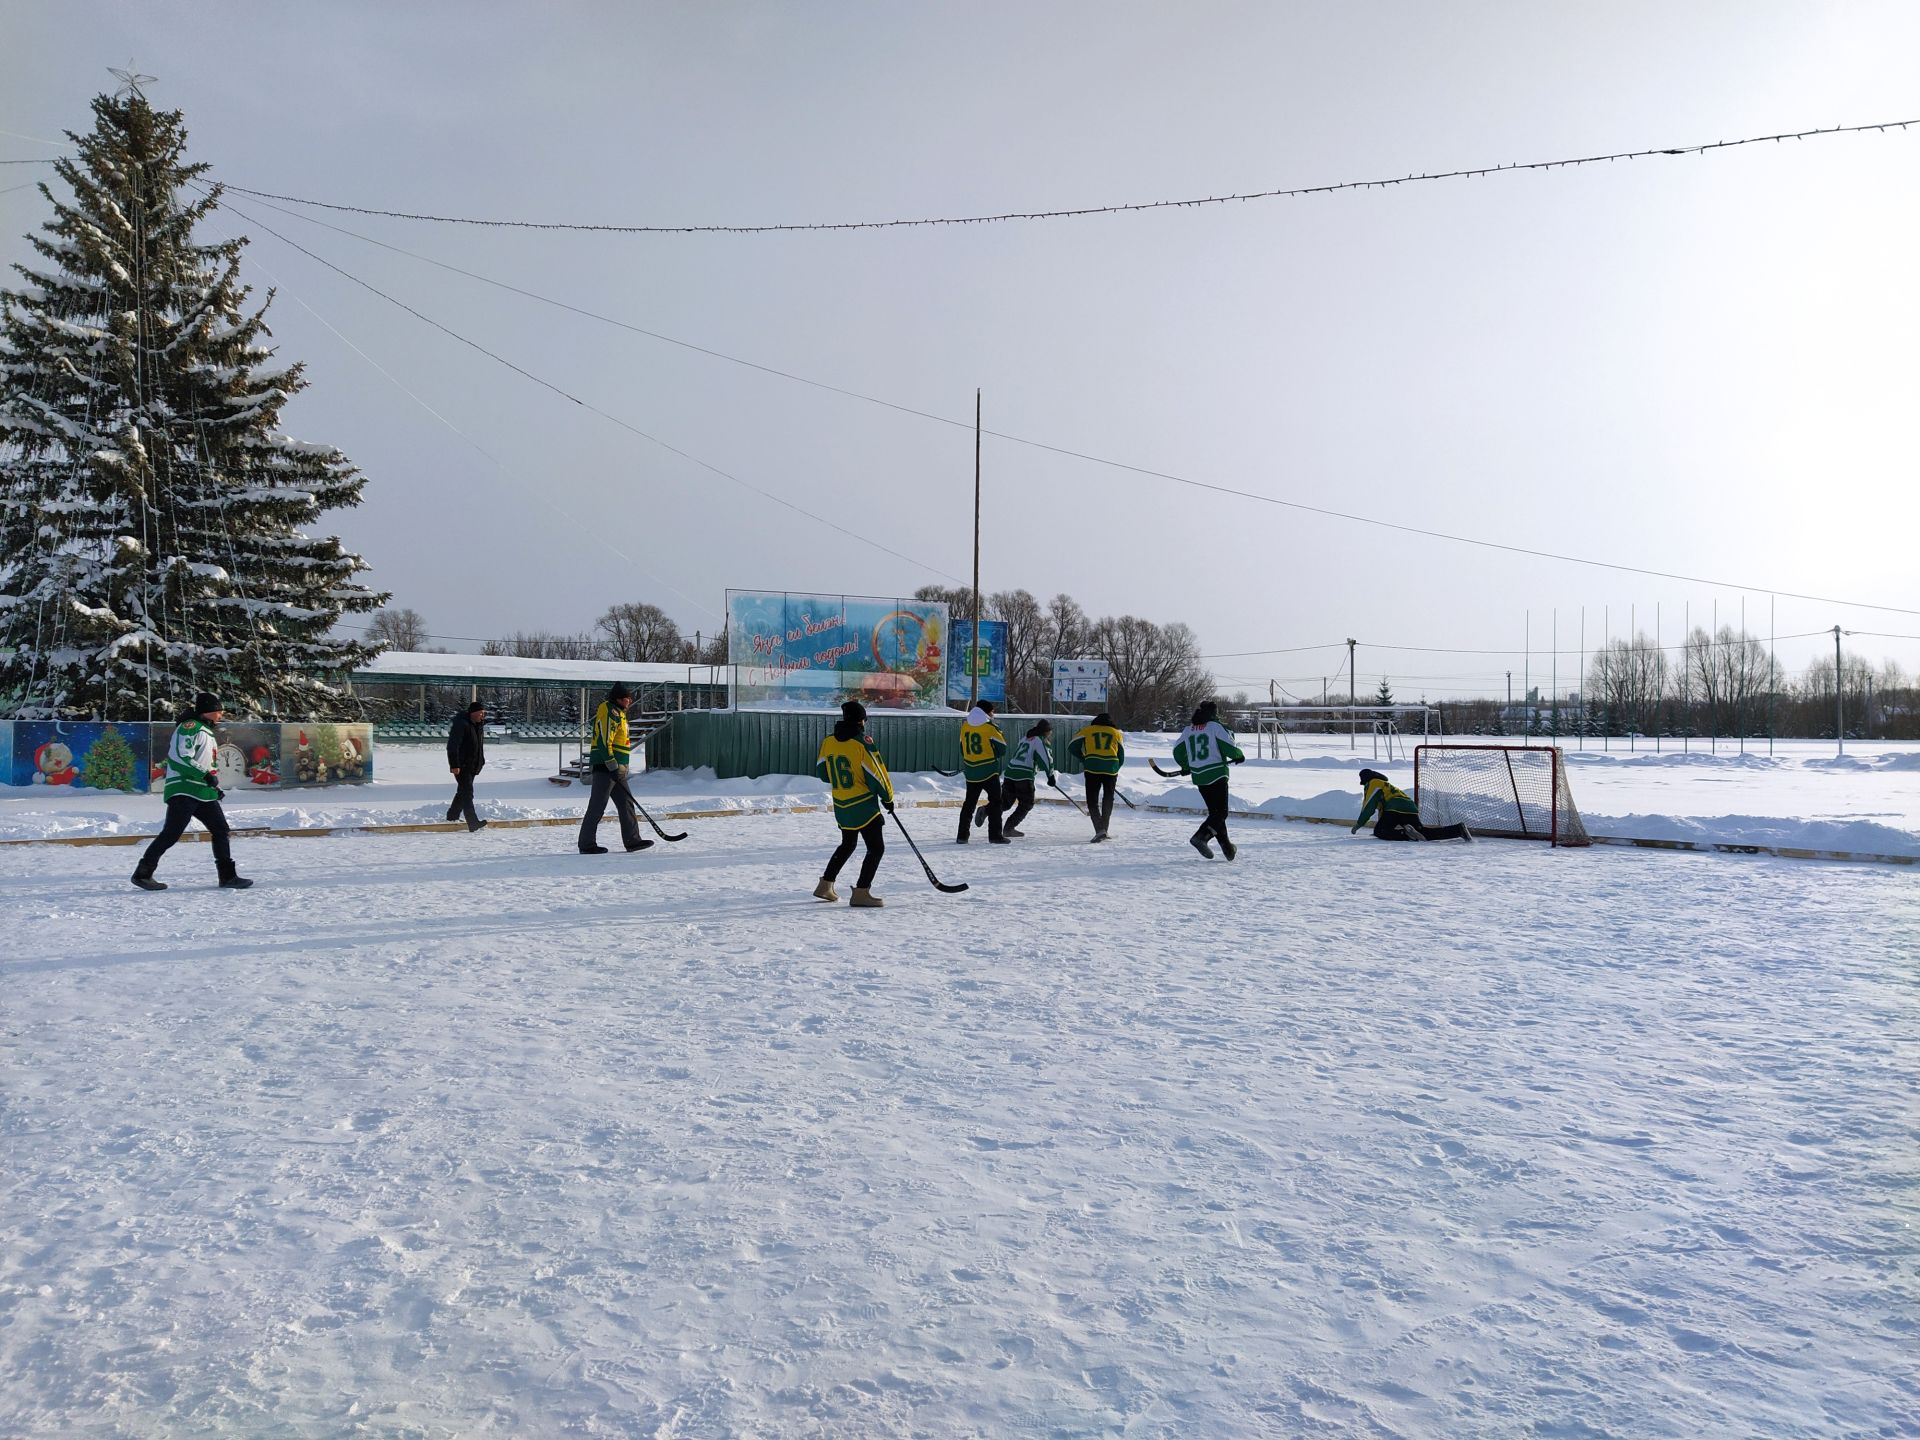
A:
<point x="205" y="703"/>
<point x="477" y="704"/>
<point x="853" y="712"/>
<point x="1103" y="718"/>
<point x="1367" y="777"/>
<point x="619" y="692"/>
<point x="1209" y="710"/>
<point x="1045" y="727"/>
<point x="988" y="706"/>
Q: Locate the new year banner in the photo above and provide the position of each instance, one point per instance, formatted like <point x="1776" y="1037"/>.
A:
<point x="986" y="660"/>
<point x="79" y="755"/>
<point x="810" y="652"/>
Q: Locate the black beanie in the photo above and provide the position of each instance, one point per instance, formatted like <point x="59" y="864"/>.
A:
<point x="1103" y="718"/>
<point x="476" y="705"/>
<point x="206" y="702"/>
<point x="853" y="712"/>
<point x="1368" y="776"/>
<point x="619" y="692"/>
<point x="1045" y="727"/>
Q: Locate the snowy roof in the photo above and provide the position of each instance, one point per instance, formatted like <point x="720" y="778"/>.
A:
<point x="412" y="666"/>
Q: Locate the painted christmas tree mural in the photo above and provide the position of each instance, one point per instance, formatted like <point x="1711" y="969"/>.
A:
<point x="154" y="517"/>
<point x="109" y="764"/>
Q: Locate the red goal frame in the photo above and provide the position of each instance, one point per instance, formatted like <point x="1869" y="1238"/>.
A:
<point x="1554" y="834"/>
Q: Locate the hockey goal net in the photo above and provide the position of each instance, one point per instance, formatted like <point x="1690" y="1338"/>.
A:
<point x="1514" y="790"/>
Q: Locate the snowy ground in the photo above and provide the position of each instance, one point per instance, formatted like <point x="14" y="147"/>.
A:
<point x="445" y="1135"/>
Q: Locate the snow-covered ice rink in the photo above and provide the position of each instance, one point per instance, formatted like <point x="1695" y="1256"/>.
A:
<point x="446" y="1135"/>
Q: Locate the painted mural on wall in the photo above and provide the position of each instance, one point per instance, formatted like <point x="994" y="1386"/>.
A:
<point x="93" y="755"/>
<point x="78" y="755"/>
<point x="326" y="754"/>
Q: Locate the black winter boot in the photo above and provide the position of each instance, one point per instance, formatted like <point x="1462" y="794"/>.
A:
<point x="143" y="877"/>
<point x="230" y="877"/>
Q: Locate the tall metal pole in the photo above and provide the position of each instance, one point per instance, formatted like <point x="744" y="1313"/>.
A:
<point x="1839" y="711"/>
<point x="1744" y="676"/>
<point x="973" y="639"/>
<point x="1526" y="675"/>
<point x="1660" y="658"/>
<point x="1586" y="690"/>
<point x="1773" y="668"/>
<point x="1353" y="699"/>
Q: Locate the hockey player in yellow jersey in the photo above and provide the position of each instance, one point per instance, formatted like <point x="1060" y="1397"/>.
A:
<point x="862" y="789"/>
<point x="983" y="749"/>
<point x="1101" y="751"/>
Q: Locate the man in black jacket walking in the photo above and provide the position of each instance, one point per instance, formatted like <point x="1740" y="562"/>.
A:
<point x="466" y="758"/>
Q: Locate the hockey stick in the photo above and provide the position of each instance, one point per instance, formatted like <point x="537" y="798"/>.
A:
<point x="1173" y="774"/>
<point x="1054" y="785"/>
<point x="1123" y="795"/>
<point x="670" y="839"/>
<point x="948" y="773"/>
<point x="934" y="879"/>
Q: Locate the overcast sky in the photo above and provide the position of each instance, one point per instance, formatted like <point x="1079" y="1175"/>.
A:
<point x="1702" y="365"/>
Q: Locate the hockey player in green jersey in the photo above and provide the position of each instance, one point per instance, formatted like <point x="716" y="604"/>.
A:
<point x="862" y="789"/>
<point x="982" y="749"/>
<point x="193" y="793"/>
<point x="1204" y="751"/>
<point x="1399" y="814"/>
<point x="1029" y="756"/>
<point x="1101" y="752"/>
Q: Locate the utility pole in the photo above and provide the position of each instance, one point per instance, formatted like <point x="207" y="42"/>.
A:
<point x="973" y="639"/>
<point x="1839" y="712"/>
<point x="1507" y="716"/>
<point x="1353" y="697"/>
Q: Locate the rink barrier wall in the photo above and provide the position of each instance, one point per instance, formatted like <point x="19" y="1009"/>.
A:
<point x="747" y="744"/>
<point x="1703" y="847"/>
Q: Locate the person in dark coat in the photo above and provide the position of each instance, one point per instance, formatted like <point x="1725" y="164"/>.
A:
<point x="466" y="758"/>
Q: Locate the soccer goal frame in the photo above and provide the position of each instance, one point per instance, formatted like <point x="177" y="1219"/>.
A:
<point x="1515" y="791"/>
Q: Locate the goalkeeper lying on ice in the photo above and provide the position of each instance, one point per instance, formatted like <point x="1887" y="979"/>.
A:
<point x="1399" y="816"/>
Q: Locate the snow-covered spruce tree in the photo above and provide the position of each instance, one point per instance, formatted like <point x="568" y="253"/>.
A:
<point x="153" y="516"/>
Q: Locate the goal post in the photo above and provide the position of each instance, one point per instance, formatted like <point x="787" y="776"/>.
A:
<point x="1519" y="791"/>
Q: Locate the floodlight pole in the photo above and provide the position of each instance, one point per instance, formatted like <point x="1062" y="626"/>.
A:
<point x="973" y="638"/>
<point x="1839" y="720"/>
<point x="1353" y="699"/>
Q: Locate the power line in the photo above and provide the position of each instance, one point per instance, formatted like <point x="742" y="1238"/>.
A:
<point x="1076" y="454"/>
<point x="588" y="405"/>
<point x="1085" y="210"/>
<point x="52" y="160"/>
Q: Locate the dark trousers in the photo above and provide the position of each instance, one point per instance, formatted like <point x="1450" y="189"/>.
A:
<point x="605" y="783"/>
<point x="1401" y="825"/>
<point x="1216" y="822"/>
<point x="462" y="806"/>
<point x="874" y="832"/>
<point x="1019" y="800"/>
<point x="985" y="793"/>
<point x="1100" y="790"/>
<point x="180" y="810"/>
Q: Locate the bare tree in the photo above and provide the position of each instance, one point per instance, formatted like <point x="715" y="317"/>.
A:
<point x="1067" y="629"/>
<point x="1729" y="674"/>
<point x="395" y="629"/>
<point x="1157" y="675"/>
<point x="641" y="632"/>
<point x="1630" y="678"/>
<point x="544" y="645"/>
<point x="1029" y="673"/>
